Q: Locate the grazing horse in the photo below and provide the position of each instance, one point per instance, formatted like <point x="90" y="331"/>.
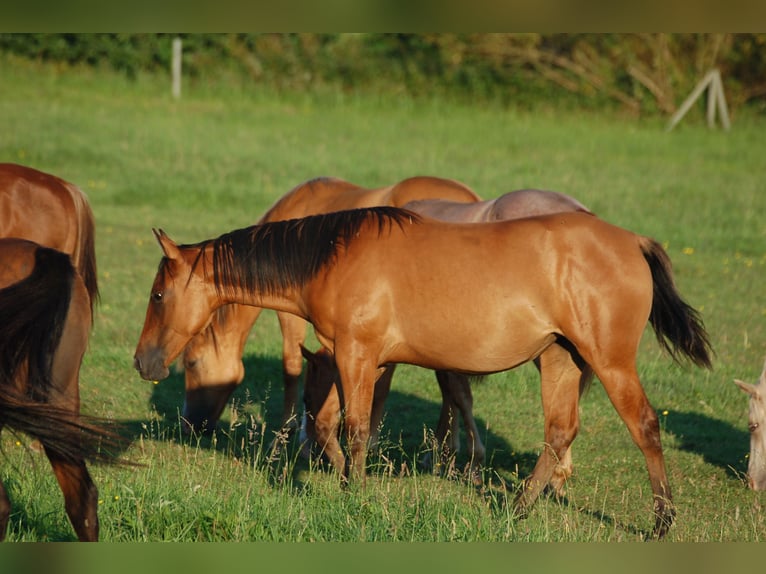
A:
<point x="322" y="404"/>
<point x="212" y="361"/>
<point x="51" y="212"/>
<point x="569" y="291"/>
<point x="756" y="465"/>
<point x="45" y="319"/>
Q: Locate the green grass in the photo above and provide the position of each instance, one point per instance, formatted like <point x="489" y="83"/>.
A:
<point x="218" y="158"/>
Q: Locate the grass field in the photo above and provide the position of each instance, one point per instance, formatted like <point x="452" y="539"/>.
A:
<point x="216" y="159"/>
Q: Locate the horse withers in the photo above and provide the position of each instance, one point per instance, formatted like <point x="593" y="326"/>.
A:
<point x="45" y="320"/>
<point x="756" y="464"/>
<point x="569" y="291"/>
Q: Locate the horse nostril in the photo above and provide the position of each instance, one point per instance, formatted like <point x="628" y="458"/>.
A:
<point x="136" y="363"/>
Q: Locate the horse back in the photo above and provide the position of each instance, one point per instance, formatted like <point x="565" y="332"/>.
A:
<point x="509" y="285"/>
<point x="328" y="194"/>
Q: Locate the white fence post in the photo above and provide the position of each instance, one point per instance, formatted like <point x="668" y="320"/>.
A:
<point x="715" y="100"/>
<point x="176" y="68"/>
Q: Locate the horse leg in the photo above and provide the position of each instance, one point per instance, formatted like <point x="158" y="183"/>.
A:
<point x="382" y="388"/>
<point x="5" y="511"/>
<point x="80" y="495"/>
<point x="447" y="432"/>
<point x="327" y="430"/>
<point x="456" y="396"/>
<point x="358" y="377"/>
<point x="624" y="389"/>
<point x="560" y="388"/>
<point x="293" y="335"/>
<point x="462" y="399"/>
<point x="564" y="467"/>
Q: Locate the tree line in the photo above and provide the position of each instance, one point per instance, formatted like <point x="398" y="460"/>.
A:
<point x="639" y="73"/>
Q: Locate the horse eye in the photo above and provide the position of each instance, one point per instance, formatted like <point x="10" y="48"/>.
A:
<point x="157" y="296"/>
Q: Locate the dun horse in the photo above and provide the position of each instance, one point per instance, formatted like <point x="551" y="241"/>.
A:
<point x="213" y="359"/>
<point x="756" y="466"/>
<point x="51" y="212"/>
<point x="569" y="291"/>
<point x="322" y="404"/>
<point x="45" y="319"/>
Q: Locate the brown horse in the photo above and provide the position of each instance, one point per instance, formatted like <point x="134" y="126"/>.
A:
<point x="45" y="319"/>
<point x="756" y="465"/>
<point x="569" y="291"/>
<point x="213" y="359"/>
<point x="51" y="212"/>
<point x="322" y="404"/>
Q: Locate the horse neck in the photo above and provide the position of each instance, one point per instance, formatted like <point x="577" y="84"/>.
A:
<point x="286" y="300"/>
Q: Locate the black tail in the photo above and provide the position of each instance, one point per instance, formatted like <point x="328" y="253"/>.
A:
<point x="678" y="326"/>
<point x="70" y="436"/>
<point x="32" y="316"/>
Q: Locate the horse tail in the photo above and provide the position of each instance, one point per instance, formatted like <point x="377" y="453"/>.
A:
<point x="32" y="316"/>
<point x="69" y="435"/>
<point x="678" y="326"/>
<point x="84" y="256"/>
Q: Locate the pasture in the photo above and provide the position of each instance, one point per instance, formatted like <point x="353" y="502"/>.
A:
<point x="219" y="157"/>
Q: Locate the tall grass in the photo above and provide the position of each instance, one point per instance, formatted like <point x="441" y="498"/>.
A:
<point x="216" y="159"/>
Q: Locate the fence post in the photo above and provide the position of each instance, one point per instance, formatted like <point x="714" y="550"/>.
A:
<point x="176" y="68"/>
<point x="715" y="100"/>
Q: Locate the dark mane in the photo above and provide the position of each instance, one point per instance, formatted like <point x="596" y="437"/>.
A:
<point x="272" y="257"/>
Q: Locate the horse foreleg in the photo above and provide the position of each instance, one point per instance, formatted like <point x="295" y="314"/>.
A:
<point x="560" y="389"/>
<point x="624" y="390"/>
<point x="293" y="335"/>
<point x="80" y="496"/>
<point x="358" y="377"/>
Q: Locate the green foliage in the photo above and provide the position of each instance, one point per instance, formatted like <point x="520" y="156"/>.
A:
<point x="217" y="158"/>
<point x="641" y="73"/>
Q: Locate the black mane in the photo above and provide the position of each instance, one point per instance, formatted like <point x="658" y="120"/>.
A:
<point x="272" y="257"/>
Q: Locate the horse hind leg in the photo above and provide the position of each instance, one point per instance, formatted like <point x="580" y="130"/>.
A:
<point x="629" y="399"/>
<point x="561" y="378"/>
<point x="80" y="495"/>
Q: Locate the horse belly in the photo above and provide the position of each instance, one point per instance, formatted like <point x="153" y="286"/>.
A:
<point x="475" y="339"/>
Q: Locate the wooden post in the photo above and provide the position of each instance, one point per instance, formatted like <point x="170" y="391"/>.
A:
<point x="715" y="100"/>
<point x="176" y="68"/>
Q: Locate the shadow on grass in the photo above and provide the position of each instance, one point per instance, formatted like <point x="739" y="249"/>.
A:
<point x="718" y="442"/>
<point x="403" y="436"/>
<point x="407" y="423"/>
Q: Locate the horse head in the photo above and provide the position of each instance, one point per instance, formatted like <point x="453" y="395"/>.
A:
<point x="756" y="468"/>
<point x="180" y="306"/>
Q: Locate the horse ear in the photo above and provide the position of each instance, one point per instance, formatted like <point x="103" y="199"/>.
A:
<point x="169" y="247"/>
<point x="747" y="387"/>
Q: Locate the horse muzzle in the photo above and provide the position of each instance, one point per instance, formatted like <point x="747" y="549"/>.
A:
<point x="150" y="365"/>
